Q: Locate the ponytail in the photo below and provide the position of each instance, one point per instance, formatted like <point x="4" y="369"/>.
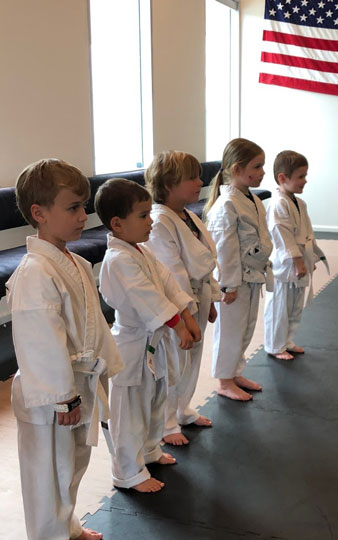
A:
<point x="215" y="184"/>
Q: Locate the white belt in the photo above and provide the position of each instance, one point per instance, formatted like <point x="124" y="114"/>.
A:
<point x="151" y="348"/>
<point x="100" y="410"/>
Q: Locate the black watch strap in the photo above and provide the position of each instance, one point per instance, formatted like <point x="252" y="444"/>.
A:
<point x="67" y="407"/>
<point x="75" y="403"/>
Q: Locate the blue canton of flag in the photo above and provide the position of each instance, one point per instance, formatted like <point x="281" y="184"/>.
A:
<point x="300" y="45"/>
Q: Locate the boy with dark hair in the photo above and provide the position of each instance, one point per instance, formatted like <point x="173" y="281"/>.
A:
<point x="64" y="350"/>
<point x="148" y="303"/>
<point x="293" y="258"/>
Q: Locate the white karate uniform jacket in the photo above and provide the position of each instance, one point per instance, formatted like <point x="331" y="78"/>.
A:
<point x="62" y="342"/>
<point x="145" y="296"/>
<point x="191" y="260"/>
<point x="292" y="235"/>
<point x="243" y="244"/>
<point x="238" y="227"/>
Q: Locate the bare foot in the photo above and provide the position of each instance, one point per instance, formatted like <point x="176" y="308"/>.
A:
<point x="297" y="350"/>
<point x="166" y="459"/>
<point x="283" y="356"/>
<point x="177" y="439"/>
<point x="242" y="382"/>
<point x="232" y="391"/>
<point x="203" y="421"/>
<point x="89" y="534"/>
<point x="149" y="486"/>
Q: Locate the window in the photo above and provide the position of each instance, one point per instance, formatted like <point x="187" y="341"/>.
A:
<point x="121" y="84"/>
<point x="222" y="75"/>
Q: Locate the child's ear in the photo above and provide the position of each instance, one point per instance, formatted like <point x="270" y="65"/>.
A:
<point x="235" y="169"/>
<point x="281" y="178"/>
<point x="38" y="213"/>
<point x="115" y="224"/>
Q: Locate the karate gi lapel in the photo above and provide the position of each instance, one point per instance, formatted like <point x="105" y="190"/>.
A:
<point x="146" y="264"/>
<point x="198" y="255"/>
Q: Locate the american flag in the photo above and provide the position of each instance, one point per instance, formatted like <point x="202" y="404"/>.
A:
<point x="300" y="45"/>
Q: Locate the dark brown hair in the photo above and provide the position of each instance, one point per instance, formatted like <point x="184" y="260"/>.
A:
<point x="116" y="197"/>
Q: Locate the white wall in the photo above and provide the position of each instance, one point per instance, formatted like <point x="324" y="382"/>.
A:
<point x="45" y="99"/>
<point x="178" y="48"/>
<point x="281" y="118"/>
<point x="45" y="93"/>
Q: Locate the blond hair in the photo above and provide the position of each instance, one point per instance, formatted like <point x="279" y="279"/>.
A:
<point x="237" y="152"/>
<point x="40" y="182"/>
<point x="168" y="169"/>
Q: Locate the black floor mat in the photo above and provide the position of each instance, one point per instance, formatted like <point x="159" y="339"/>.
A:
<point x="268" y="469"/>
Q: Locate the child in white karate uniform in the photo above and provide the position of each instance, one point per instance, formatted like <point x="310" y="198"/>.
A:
<point x="181" y="242"/>
<point x="294" y="256"/>
<point x="148" y="302"/>
<point x="64" y="350"/>
<point x="236" y="221"/>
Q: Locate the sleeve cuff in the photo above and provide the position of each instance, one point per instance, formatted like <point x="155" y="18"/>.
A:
<point x="173" y="321"/>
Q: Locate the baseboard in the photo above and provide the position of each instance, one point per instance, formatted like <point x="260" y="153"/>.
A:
<point x="325" y="228"/>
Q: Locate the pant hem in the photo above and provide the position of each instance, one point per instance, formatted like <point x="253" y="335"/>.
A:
<point x="73" y="536"/>
<point x="133" y="481"/>
<point x="153" y="456"/>
<point x="172" y="431"/>
<point x="190" y="419"/>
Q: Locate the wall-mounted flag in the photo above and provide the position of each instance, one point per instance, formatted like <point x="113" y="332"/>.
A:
<point x="300" y="45"/>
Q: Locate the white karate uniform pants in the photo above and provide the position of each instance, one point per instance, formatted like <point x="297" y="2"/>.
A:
<point x="282" y="315"/>
<point x="234" y="327"/>
<point x="178" y="410"/>
<point x="136" y="428"/>
<point x="53" y="460"/>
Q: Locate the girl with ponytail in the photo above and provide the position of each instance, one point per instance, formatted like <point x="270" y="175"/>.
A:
<point x="237" y="223"/>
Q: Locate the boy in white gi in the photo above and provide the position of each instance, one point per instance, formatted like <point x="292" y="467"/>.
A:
<point x="182" y="243"/>
<point x="236" y="221"/>
<point x="147" y="300"/>
<point x="64" y="350"/>
<point x="294" y="255"/>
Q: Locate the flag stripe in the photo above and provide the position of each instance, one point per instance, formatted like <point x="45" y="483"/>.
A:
<point x="295" y="29"/>
<point x="299" y="73"/>
<point x="299" y="84"/>
<point x="292" y="50"/>
<point x="301" y="41"/>
<point x="297" y="61"/>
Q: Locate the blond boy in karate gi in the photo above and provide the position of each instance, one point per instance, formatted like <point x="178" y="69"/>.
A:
<point x="182" y="242"/>
<point x="64" y="349"/>
<point x="149" y="303"/>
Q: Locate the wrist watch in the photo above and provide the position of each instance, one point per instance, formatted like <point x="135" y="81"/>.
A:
<point x="68" y="407"/>
<point x="228" y="289"/>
